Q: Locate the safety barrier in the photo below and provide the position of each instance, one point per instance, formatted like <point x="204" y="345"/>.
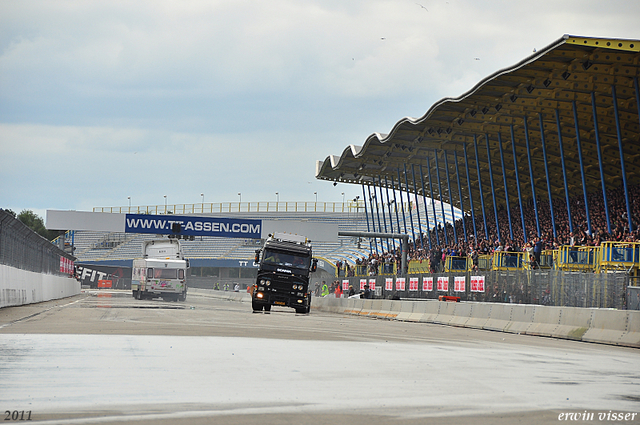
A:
<point x="606" y="326"/>
<point x="617" y="327"/>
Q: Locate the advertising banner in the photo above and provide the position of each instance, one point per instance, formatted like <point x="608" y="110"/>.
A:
<point x="90" y="275"/>
<point x="388" y="284"/>
<point x="443" y="283"/>
<point x="413" y="284"/>
<point x="362" y="283"/>
<point x="345" y="286"/>
<point x="400" y="283"/>
<point x="477" y="283"/>
<point x="372" y="284"/>
<point x="193" y="226"/>
<point x="459" y="283"/>
<point x="427" y="284"/>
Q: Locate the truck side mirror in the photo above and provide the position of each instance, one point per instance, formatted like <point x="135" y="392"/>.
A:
<point x="314" y="265"/>
<point x="257" y="259"/>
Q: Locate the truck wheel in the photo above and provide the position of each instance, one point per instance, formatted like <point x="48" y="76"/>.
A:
<point x="182" y="296"/>
<point x="267" y="307"/>
<point x="256" y="306"/>
<point x="138" y="295"/>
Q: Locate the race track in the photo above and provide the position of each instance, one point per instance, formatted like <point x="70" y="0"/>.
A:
<point x="103" y="357"/>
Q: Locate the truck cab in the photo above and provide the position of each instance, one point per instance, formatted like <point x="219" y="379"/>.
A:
<point x="285" y="262"/>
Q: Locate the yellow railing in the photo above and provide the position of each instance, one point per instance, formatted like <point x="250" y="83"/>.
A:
<point x="485" y="262"/>
<point x="619" y="256"/>
<point x="577" y="258"/>
<point x="508" y="260"/>
<point x="419" y="267"/>
<point x="457" y="264"/>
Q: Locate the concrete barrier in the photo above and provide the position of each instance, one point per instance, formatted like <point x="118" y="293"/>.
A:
<point x="406" y="308"/>
<point x="20" y="287"/>
<point x="499" y="317"/>
<point x="461" y="314"/>
<point x="431" y="311"/>
<point x="385" y="310"/>
<point x="607" y="326"/>
<point x="480" y="314"/>
<point x="366" y="307"/>
<point x="419" y="309"/>
<point x="354" y="306"/>
<point x="376" y="308"/>
<point x="574" y="323"/>
<point x="521" y="318"/>
<point x="632" y="337"/>
<point x="445" y="313"/>
<point x="619" y="327"/>
<point x="545" y="321"/>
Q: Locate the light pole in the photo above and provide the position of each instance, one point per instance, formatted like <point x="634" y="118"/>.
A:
<point x="129" y="198"/>
<point x="202" y="194"/>
<point x="165" y="204"/>
<point x="316" y="193"/>
<point x="343" y="197"/>
<point x="277" y="197"/>
<point x="240" y="195"/>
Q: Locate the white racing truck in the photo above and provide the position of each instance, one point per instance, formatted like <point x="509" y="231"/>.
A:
<point x="162" y="272"/>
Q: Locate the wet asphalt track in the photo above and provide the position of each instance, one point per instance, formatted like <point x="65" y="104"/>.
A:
<point x="103" y="357"/>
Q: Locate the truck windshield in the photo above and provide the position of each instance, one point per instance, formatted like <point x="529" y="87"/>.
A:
<point x="165" y="273"/>
<point x="285" y="259"/>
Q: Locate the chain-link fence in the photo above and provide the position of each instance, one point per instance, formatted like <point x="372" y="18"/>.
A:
<point x="22" y="248"/>
<point x="543" y="287"/>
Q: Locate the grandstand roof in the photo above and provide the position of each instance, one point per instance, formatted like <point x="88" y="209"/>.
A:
<point x="542" y="89"/>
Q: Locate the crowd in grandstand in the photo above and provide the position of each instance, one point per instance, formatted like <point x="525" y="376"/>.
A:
<point x="436" y="244"/>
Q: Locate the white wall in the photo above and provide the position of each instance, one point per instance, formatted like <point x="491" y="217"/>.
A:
<point x="19" y="287"/>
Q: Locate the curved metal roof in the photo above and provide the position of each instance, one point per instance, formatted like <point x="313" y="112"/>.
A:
<point x="499" y="112"/>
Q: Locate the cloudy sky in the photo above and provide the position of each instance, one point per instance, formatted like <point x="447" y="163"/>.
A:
<point x="105" y="100"/>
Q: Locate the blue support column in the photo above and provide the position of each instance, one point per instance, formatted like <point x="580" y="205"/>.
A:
<point x="546" y="171"/>
<point x="604" y="187"/>
<point x="374" y="199"/>
<point x="515" y="166"/>
<point x="415" y="191"/>
<point x="444" y="219"/>
<point x="584" y="183"/>
<point x="426" y="210"/>
<point x="506" y="191"/>
<point x="493" y="189"/>
<point x="404" y="219"/>
<point x="464" y="225"/>
<point x="395" y="205"/>
<point x="564" y="171"/>
<point x="373" y="220"/>
<point x="624" y="173"/>
<point x="366" y="214"/>
<point x="406" y="182"/>
<point x="386" y="185"/>
<point x="453" y="215"/>
<point x="381" y="201"/>
<point x="433" y="206"/>
<point x="484" y="213"/>
<point x="533" y="183"/>
<point x="473" y="214"/>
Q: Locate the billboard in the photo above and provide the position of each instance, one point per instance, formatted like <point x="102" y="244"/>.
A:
<point x="193" y="226"/>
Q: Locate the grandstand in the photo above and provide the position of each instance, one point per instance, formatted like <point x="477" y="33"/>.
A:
<point x="115" y="247"/>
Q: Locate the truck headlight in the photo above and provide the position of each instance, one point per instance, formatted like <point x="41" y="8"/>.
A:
<point x="268" y="283"/>
<point x="295" y="287"/>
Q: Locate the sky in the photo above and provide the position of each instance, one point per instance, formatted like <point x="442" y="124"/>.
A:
<point x="103" y="103"/>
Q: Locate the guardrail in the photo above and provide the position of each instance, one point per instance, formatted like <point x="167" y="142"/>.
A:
<point x="240" y="207"/>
